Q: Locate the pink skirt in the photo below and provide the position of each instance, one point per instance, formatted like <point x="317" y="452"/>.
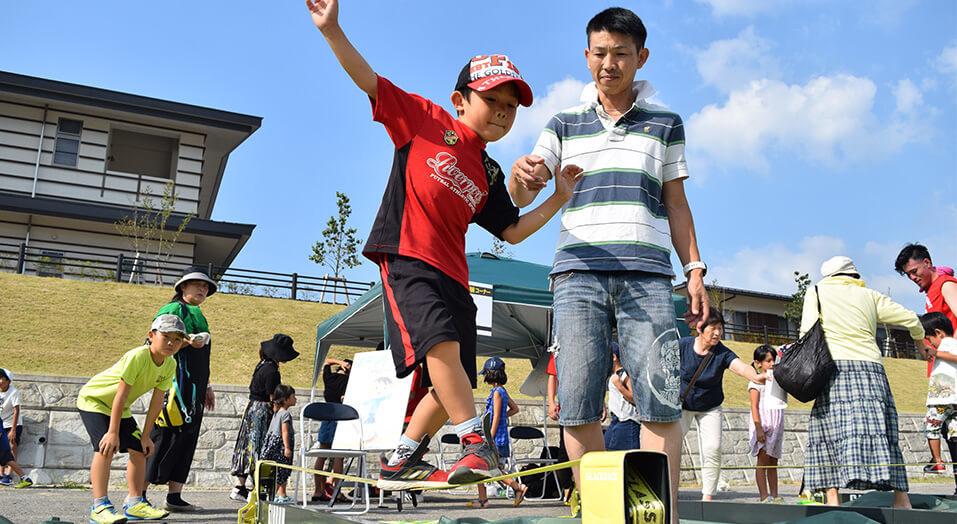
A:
<point x="772" y="421"/>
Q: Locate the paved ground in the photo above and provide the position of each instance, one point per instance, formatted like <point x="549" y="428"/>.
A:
<point x="38" y="504"/>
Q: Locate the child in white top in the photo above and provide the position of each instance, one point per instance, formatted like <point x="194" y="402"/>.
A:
<point x="942" y="387"/>
<point x="766" y="427"/>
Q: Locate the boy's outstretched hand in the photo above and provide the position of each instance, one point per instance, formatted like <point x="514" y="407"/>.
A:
<point x="566" y="180"/>
<point x="325" y="13"/>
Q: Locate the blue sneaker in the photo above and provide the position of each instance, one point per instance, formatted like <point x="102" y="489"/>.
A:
<point x="6" y="480"/>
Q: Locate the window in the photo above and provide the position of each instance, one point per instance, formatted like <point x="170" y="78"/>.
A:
<point x="142" y="154"/>
<point x="50" y="264"/>
<point x="67" y="146"/>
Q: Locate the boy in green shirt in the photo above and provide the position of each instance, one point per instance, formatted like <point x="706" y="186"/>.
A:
<point x="104" y="404"/>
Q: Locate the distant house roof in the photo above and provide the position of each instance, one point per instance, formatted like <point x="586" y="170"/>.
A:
<point x="224" y="130"/>
<point x="129" y="103"/>
<point x="742" y="292"/>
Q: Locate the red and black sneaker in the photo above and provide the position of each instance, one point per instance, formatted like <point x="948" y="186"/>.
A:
<point x="411" y="473"/>
<point x="479" y="460"/>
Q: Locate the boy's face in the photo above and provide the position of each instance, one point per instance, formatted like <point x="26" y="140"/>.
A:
<point x="165" y="344"/>
<point x="4" y="383"/>
<point x="613" y="60"/>
<point x="489" y="113"/>
<point x="935" y="338"/>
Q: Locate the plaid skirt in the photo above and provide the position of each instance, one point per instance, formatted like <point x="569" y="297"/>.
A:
<point x="252" y="434"/>
<point x="854" y="421"/>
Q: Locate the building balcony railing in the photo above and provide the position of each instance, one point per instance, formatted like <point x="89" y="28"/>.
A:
<point x="84" y="265"/>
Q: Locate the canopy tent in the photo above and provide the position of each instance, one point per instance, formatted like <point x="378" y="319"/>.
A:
<point x="521" y="307"/>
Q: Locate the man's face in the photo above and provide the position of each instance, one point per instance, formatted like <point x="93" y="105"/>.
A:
<point x="613" y="60"/>
<point x="921" y="272"/>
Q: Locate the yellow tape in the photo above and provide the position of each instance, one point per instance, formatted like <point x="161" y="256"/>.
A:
<point x="642" y="505"/>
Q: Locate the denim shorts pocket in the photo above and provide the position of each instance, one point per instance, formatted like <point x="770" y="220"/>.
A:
<point x="559" y="279"/>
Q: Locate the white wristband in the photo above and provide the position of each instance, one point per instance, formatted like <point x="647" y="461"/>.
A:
<point x="690" y="266"/>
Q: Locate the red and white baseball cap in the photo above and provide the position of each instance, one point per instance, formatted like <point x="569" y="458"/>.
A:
<point x="484" y="72"/>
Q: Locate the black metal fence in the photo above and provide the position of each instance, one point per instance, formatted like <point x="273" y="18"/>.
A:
<point x="136" y="269"/>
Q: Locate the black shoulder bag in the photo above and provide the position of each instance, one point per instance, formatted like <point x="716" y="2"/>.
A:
<point x="807" y="366"/>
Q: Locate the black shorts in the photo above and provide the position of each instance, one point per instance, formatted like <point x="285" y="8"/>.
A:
<point x="17" y="435"/>
<point x="6" y="455"/>
<point x="424" y="307"/>
<point x="97" y="424"/>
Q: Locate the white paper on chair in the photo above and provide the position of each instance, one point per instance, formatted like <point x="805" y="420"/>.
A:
<point x="379" y="397"/>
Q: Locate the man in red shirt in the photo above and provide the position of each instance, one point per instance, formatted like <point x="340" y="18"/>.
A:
<point x="941" y="288"/>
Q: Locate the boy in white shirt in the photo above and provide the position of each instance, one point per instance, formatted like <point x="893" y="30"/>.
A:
<point x="10" y="416"/>
<point x="942" y="389"/>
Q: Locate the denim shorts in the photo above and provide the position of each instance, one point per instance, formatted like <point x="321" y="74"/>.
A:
<point x="327" y="432"/>
<point x="587" y="304"/>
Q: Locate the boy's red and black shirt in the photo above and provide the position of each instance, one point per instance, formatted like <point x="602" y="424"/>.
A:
<point x="441" y="181"/>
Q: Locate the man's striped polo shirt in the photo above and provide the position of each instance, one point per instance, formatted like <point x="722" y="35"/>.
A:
<point x="616" y="220"/>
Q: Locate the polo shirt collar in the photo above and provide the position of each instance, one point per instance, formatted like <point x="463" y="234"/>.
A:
<point x="469" y="135"/>
<point x="641" y="88"/>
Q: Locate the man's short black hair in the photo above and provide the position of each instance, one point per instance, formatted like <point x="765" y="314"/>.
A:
<point x="910" y="252"/>
<point x="617" y="20"/>
<point x="936" y="320"/>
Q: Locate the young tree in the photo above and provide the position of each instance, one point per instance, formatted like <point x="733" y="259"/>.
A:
<point x="793" y="310"/>
<point x="339" y="245"/>
<point x="146" y="229"/>
<point x="498" y="249"/>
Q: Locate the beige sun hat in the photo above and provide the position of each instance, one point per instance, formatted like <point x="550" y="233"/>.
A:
<point x="839" y="265"/>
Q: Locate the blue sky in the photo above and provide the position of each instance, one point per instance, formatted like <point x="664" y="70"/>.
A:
<point x="814" y="128"/>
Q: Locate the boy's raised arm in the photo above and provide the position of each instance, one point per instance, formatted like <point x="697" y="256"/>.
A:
<point x="325" y="14"/>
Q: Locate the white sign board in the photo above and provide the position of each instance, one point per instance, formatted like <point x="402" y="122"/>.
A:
<point x="379" y="397"/>
<point x="482" y="296"/>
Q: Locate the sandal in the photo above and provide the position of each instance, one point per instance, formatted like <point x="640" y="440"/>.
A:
<point x="520" y="494"/>
<point x="480" y="503"/>
<point x="319" y="498"/>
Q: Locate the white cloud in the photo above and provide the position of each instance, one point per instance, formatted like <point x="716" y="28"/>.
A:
<point x="829" y="120"/>
<point x="946" y="63"/>
<point x="741" y="7"/>
<point x="908" y="96"/>
<point x="530" y="122"/>
<point x="734" y="63"/>
<point x="771" y="268"/>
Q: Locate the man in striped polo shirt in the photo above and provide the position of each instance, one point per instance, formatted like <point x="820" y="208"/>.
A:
<point x="613" y="260"/>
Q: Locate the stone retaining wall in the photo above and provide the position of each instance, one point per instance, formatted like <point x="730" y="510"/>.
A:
<point x="55" y="448"/>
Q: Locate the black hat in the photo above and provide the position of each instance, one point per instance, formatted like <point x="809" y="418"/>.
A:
<point x="279" y="348"/>
<point x="196" y="273"/>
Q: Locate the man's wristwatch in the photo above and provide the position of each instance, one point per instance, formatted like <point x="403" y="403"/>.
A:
<point x="695" y="265"/>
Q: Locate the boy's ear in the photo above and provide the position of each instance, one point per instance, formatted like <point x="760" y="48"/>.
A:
<point x="642" y="56"/>
<point x="458" y="101"/>
<point x="149" y="335"/>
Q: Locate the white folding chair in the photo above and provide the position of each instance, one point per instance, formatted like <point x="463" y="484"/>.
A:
<point x="328" y="411"/>
<point x="532" y="434"/>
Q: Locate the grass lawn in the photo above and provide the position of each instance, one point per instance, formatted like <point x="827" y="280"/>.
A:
<point x="78" y="328"/>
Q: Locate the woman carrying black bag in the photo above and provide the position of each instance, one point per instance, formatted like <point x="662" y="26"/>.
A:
<point x="854" y="420"/>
